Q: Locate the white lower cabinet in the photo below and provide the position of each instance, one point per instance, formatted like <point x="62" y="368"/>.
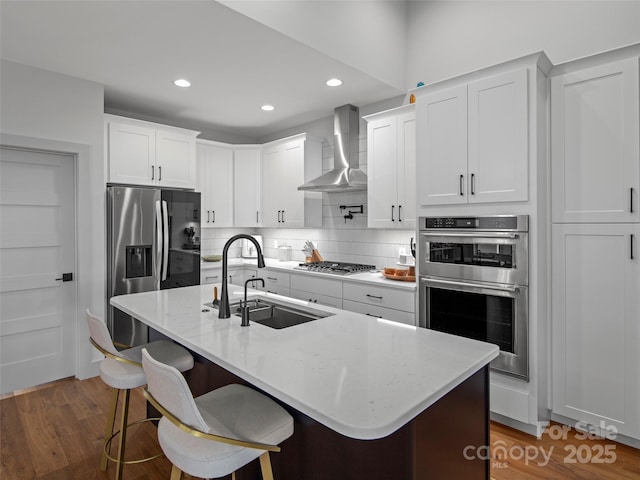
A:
<point x="596" y="324"/>
<point x="378" y="301"/>
<point x="324" y="291"/>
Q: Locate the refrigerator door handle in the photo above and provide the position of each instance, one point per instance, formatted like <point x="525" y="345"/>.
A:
<point x="165" y="240"/>
<point x="159" y="246"/>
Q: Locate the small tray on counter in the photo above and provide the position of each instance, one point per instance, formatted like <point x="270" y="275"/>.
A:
<point x="401" y="278"/>
<point x="211" y="258"/>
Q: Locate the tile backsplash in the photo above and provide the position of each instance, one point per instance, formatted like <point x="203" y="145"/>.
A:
<point x="340" y="239"/>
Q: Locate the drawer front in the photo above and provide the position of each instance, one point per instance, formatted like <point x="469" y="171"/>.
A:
<point x="380" y="296"/>
<point x="274" y="278"/>
<point x="321" y="286"/>
<point x="317" y="298"/>
<point x="210" y="276"/>
<point x="379" y="312"/>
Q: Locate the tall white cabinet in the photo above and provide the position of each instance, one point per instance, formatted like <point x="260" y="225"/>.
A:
<point x="215" y="183"/>
<point x="391" y="168"/>
<point x="595" y="114"/>
<point x="247" y="185"/>
<point x="287" y="164"/>
<point x="473" y="139"/>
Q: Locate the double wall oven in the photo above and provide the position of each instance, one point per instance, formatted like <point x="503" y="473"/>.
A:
<point x="474" y="277"/>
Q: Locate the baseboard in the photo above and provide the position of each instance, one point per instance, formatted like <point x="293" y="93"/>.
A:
<point x="620" y="438"/>
<point x="534" y="430"/>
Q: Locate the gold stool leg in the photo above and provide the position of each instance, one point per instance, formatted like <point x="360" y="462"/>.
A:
<point x="176" y="473"/>
<point x="265" y="465"/>
<point x="109" y="429"/>
<point x="123" y="433"/>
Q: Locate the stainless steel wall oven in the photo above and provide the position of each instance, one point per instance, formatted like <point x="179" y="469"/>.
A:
<point x="474" y="277"/>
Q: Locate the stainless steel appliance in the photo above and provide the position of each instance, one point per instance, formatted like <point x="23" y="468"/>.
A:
<point x="153" y="243"/>
<point x="473" y="281"/>
<point x="338" y="268"/>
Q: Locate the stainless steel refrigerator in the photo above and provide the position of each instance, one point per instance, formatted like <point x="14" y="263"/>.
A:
<point x="153" y="243"/>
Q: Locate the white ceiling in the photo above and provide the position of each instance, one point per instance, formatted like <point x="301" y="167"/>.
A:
<point x="137" y="48"/>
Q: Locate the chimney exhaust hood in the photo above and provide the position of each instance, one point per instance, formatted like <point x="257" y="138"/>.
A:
<point x="346" y="175"/>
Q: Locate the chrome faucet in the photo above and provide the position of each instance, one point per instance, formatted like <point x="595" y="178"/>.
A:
<point x="245" y="305"/>
<point x="223" y="311"/>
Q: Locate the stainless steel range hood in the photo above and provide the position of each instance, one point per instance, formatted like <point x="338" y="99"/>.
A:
<point x="345" y="176"/>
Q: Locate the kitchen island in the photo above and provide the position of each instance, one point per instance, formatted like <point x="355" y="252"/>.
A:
<point x="371" y="398"/>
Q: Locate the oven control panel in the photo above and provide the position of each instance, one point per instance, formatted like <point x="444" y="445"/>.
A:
<point x="517" y="223"/>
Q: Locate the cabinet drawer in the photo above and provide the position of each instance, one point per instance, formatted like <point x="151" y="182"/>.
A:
<point x="379" y="312"/>
<point x="210" y="276"/>
<point x="321" y="286"/>
<point x="380" y="296"/>
<point x="317" y="298"/>
<point x="278" y="290"/>
<point x="274" y="278"/>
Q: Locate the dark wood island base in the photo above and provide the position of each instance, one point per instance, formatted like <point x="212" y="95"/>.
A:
<point x="431" y="446"/>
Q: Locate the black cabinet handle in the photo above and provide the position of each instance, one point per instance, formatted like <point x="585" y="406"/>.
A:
<point x="279" y="216"/>
<point x="392" y="207"/>
<point x="631" y="200"/>
<point x="372" y="315"/>
<point x="631" y="246"/>
<point x="374" y="296"/>
<point x="282" y="216"/>
<point x="208" y="216"/>
<point x="473" y="184"/>
<point x="159" y="174"/>
<point x="461" y="182"/>
<point x="257" y="221"/>
<point x="153" y="171"/>
<point x="214" y="216"/>
<point x="399" y="213"/>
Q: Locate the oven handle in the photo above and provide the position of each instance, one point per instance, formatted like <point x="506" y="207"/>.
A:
<point x="455" y="283"/>
<point x="441" y="233"/>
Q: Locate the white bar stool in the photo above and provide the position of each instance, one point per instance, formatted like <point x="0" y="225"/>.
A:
<point x="217" y="433"/>
<point x="122" y="370"/>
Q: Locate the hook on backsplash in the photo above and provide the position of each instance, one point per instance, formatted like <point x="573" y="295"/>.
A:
<point x="349" y="215"/>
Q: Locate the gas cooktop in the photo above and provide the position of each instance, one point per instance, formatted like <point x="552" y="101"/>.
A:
<point x="338" y="268"/>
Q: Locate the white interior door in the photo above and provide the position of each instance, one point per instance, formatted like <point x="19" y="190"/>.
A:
<point x="37" y="245"/>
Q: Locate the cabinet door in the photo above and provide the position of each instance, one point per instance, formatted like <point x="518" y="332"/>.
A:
<point x="382" y="163"/>
<point x="175" y="162"/>
<point x="132" y="153"/>
<point x="292" y="177"/>
<point x="442" y="147"/>
<point x="407" y="170"/>
<point x="215" y="180"/>
<point x="498" y="131"/>
<point x="596" y="324"/>
<point x="247" y="187"/>
<point x="595" y="141"/>
<point x="273" y="172"/>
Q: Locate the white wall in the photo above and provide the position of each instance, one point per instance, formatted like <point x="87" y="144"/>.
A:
<point x="449" y="38"/>
<point x="47" y="106"/>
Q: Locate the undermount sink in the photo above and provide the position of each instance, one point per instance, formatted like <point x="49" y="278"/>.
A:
<point x="276" y="314"/>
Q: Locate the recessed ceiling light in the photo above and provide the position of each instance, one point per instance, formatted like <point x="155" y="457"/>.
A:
<point x="267" y="108"/>
<point x="182" y="83"/>
<point x="334" y="82"/>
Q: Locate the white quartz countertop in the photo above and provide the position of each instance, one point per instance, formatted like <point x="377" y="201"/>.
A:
<point x="362" y="377"/>
<point x="375" y="278"/>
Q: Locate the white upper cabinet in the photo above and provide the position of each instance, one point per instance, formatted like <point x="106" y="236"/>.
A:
<point x="286" y="165"/>
<point x="215" y="182"/>
<point x="143" y="153"/>
<point x="473" y="142"/>
<point x="595" y="143"/>
<point x="391" y="167"/>
<point x="247" y="185"/>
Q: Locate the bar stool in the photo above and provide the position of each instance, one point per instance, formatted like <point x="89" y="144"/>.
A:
<point x="122" y="370"/>
<point x="217" y="433"/>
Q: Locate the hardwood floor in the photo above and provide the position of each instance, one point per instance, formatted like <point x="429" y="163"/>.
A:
<point x="55" y="433"/>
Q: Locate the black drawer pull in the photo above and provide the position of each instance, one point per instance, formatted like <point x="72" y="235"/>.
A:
<point x="374" y="296"/>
